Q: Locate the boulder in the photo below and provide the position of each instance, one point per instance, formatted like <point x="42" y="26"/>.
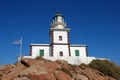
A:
<point x="35" y="69"/>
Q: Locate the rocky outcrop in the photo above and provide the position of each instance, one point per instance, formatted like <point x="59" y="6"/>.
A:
<point x="31" y="69"/>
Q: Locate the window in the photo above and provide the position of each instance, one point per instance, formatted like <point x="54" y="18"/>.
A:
<point x="41" y="53"/>
<point x="61" y="53"/>
<point x="56" y="19"/>
<point x="60" y="38"/>
<point x="76" y="52"/>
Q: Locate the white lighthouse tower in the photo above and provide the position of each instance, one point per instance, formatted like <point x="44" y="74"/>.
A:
<point x="60" y="45"/>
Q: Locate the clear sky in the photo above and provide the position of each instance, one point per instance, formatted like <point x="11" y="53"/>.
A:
<point x="92" y="22"/>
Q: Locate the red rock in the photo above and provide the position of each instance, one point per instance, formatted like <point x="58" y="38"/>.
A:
<point x="60" y="75"/>
<point x="31" y="69"/>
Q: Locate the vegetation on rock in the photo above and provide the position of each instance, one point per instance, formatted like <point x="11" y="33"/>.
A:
<point x="106" y="67"/>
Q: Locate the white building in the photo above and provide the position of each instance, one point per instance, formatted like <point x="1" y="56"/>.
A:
<point x="60" y="47"/>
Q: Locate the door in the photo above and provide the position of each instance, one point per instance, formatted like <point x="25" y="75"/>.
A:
<point x="41" y="53"/>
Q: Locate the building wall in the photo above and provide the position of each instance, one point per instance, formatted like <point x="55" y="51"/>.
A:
<point x="59" y="27"/>
<point x="60" y="48"/>
<point x="82" y="58"/>
<point x="36" y="50"/>
<point x="56" y="35"/>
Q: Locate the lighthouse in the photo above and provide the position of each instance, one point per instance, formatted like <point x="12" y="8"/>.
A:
<point x="60" y="47"/>
<point x="59" y="36"/>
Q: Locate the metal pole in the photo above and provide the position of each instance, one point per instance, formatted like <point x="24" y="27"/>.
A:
<point x="21" y="47"/>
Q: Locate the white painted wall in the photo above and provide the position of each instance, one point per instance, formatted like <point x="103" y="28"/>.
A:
<point x="82" y="51"/>
<point x="59" y="27"/>
<point x="70" y="59"/>
<point x="36" y="50"/>
<point x="58" y="48"/>
<point x="76" y="60"/>
<point x="56" y="35"/>
<point x="89" y="59"/>
<point x="82" y="54"/>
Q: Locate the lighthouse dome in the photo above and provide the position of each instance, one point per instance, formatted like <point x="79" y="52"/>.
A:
<point x="58" y="21"/>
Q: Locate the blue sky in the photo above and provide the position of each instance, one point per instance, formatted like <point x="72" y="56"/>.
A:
<point x="92" y="22"/>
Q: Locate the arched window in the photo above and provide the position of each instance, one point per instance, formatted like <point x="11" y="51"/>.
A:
<point x="60" y="38"/>
<point x="61" y="53"/>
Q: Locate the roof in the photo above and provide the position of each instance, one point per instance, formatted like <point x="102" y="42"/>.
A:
<point x="58" y="14"/>
<point x="78" y="45"/>
<point x="65" y="29"/>
<point x="71" y="45"/>
<point x="39" y="44"/>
